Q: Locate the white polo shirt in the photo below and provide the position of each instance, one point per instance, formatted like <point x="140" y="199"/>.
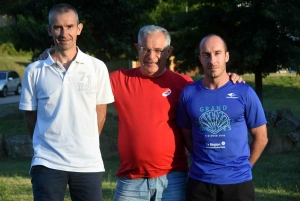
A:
<point x="66" y="132"/>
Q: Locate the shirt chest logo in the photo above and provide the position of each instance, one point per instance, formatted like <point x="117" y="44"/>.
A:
<point x="166" y="93"/>
<point x="231" y="95"/>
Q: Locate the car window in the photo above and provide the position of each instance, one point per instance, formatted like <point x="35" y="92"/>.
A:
<point x="2" y="76"/>
<point x="10" y="75"/>
<point x="15" y="75"/>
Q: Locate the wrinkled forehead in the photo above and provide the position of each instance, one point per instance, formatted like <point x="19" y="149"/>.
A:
<point x="157" y="40"/>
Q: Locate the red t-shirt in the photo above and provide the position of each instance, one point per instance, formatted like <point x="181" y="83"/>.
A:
<point x="149" y="141"/>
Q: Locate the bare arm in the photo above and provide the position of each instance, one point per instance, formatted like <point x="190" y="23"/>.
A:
<point x="101" y="115"/>
<point x="188" y="140"/>
<point x="259" y="142"/>
<point x="30" y="120"/>
<point x="235" y="78"/>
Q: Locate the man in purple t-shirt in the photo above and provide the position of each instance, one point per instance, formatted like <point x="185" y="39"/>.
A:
<point x="215" y="116"/>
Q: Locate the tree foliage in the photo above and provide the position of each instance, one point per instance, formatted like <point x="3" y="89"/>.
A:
<point x="110" y="26"/>
<point x="260" y="34"/>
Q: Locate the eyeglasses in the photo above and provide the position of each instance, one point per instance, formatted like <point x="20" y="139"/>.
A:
<point x="145" y="50"/>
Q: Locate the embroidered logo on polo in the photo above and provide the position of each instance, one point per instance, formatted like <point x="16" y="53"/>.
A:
<point x="231" y="95"/>
<point x="166" y="93"/>
<point x="85" y="84"/>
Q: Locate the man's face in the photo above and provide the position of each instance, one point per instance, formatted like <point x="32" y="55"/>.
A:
<point x="153" y="62"/>
<point x="213" y="56"/>
<point x="64" y="30"/>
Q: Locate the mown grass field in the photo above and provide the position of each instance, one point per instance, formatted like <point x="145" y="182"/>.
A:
<point x="276" y="177"/>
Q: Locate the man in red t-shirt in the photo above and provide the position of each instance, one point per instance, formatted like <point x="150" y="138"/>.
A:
<point x="152" y="152"/>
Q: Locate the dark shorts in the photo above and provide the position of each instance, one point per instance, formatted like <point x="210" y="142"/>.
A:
<point x="49" y="184"/>
<point x="197" y="190"/>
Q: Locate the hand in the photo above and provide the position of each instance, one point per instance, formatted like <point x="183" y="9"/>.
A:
<point x="236" y="78"/>
<point x="44" y="55"/>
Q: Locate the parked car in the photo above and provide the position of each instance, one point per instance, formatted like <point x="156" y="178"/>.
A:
<point x="9" y="82"/>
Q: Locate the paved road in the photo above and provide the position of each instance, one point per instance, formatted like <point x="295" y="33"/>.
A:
<point x="10" y="98"/>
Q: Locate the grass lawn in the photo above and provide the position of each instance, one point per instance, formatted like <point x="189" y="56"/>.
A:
<point x="276" y="178"/>
<point x="15" y="179"/>
<point x="279" y="91"/>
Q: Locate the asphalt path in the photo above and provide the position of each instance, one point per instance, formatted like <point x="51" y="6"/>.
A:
<point x="10" y="98"/>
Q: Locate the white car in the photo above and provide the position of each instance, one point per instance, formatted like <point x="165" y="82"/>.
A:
<point x="9" y="82"/>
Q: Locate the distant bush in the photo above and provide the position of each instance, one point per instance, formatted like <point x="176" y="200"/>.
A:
<point x="4" y="35"/>
<point x="9" y="49"/>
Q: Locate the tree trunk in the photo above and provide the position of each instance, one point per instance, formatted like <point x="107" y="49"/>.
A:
<point x="258" y="83"/>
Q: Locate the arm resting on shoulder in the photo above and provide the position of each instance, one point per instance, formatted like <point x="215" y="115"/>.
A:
<point x="30" y="120"/>
<point x="235" y="78"/>
<point x="101" y="115"/>
<point x="259" y="142"/>
<point x="188" y="140"/>
<point x="44" y="54"/>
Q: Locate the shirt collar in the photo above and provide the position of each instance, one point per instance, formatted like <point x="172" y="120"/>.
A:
<point x="79" y="58"/>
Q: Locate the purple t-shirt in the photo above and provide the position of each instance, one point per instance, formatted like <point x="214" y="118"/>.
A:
<point x="219" y="120"/>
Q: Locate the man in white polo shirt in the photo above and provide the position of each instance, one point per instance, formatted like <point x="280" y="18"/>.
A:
<point x="64" y="98"/>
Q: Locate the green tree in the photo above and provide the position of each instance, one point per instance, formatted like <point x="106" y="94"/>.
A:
<point x="110" y="26"/>
<point x="260" y="34"/>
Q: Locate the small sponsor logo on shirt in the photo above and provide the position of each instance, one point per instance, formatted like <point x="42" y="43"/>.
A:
<point x="215" y="145"/>
<point x="166" y="93"/>
<point x="231" y="95"/>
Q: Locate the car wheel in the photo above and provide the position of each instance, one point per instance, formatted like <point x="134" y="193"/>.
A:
<point x="3" y="93"/>
<point x="18" y="90"/>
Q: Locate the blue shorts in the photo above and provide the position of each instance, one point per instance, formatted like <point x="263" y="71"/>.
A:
<point x="169" y="187"/>
<point x="49" y="184"/>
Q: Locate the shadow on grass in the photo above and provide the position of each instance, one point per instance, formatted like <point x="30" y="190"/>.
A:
<point x="10" y="167"/>
<point x="23" y="64"/>
<point x="277" y="177"/>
